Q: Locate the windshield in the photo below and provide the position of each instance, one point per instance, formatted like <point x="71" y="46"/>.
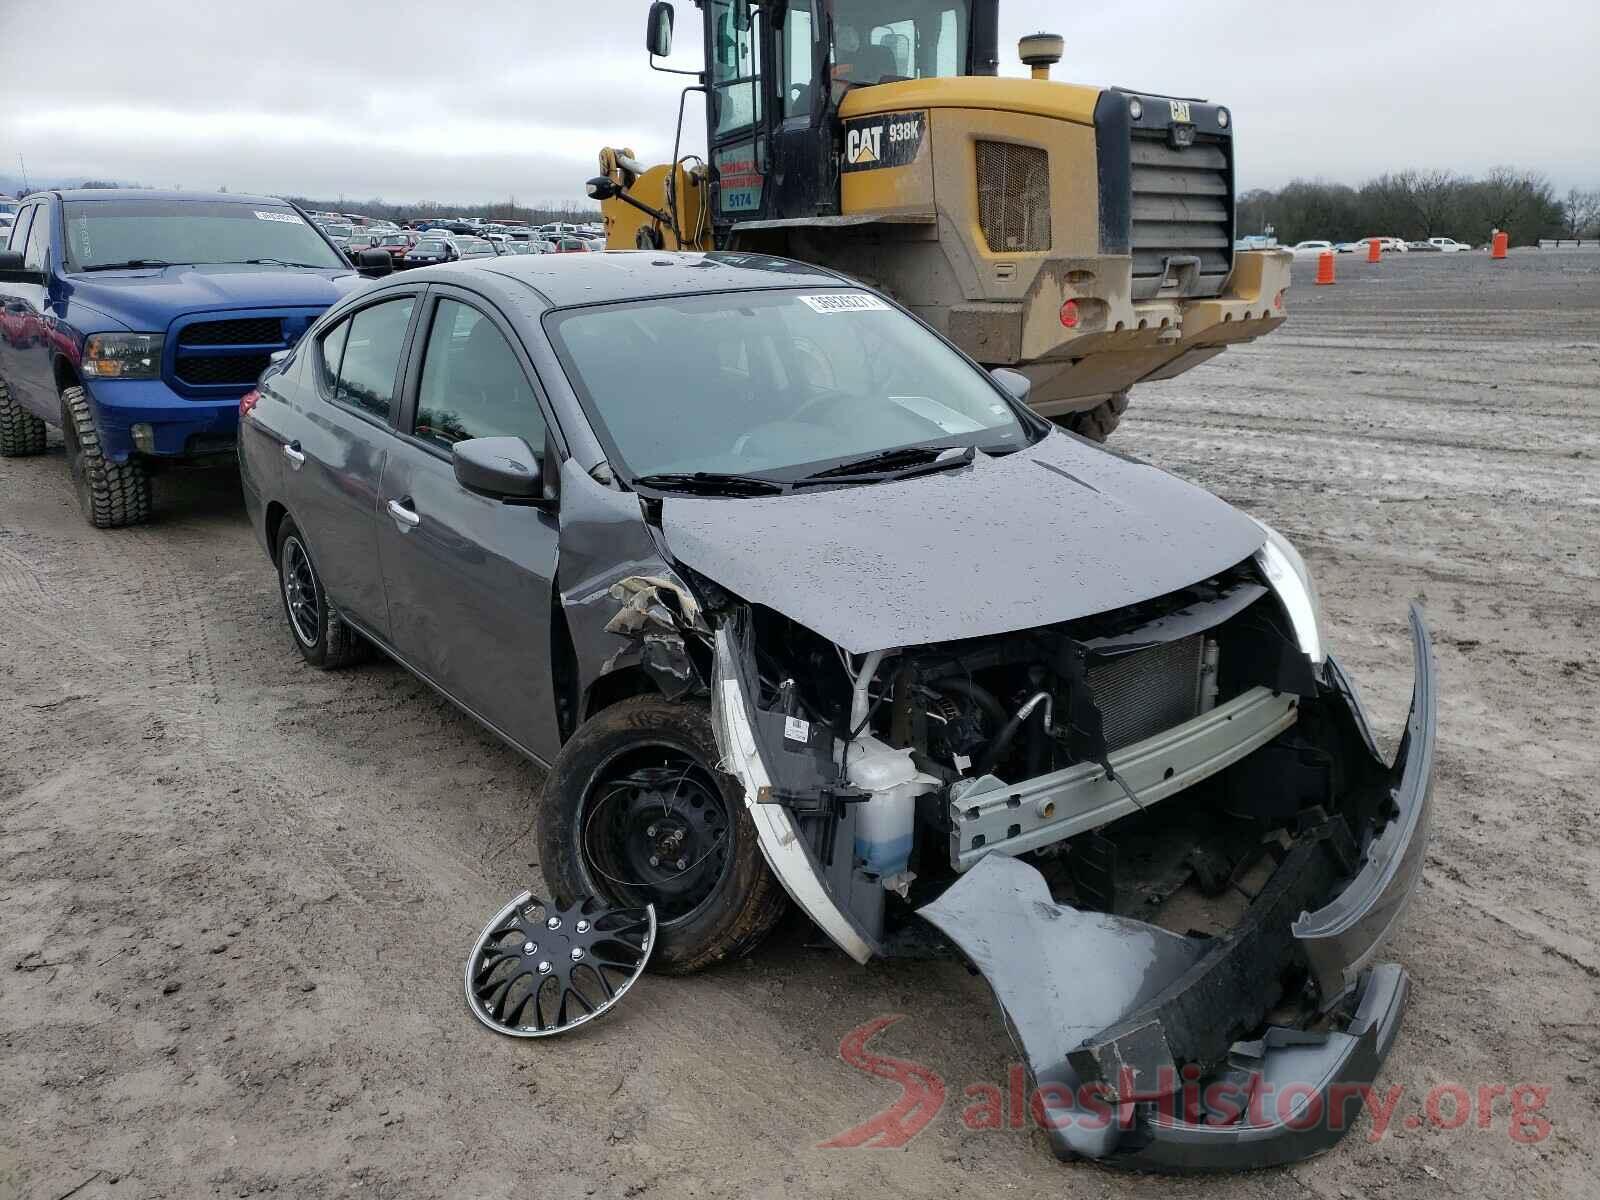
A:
<point x="104" y="232"/>
<point x="429" y="247"/>
<point x="771" y="383"/>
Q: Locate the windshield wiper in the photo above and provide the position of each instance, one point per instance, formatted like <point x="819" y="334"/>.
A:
<point x="710" y="483"/>
<point x="901" y="463"/>
<point x="280" y="262"/>
<point x="132" y="264"/>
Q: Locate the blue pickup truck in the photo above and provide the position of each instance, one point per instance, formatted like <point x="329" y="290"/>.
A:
<point x="136" y="320"/>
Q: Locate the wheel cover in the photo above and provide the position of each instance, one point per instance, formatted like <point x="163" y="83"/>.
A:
<point x="300" y="593"/>
<point x="655" y="829"/>
<point x="538" y="969"/>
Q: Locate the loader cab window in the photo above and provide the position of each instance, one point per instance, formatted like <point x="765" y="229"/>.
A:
<point x="735" y="64"/>
<point x="881" y="41"/>
<point x="799" y="47"/>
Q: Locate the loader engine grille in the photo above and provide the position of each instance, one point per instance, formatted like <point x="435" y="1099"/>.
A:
<point x="1145" y="693"/>
<point x="1013" y="197"/>
<point x="1182" y="208"/>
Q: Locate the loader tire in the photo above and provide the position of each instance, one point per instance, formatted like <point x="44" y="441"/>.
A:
<point x="112" y="495"/>
<point x="21" y="433"/>
<point x="1098" y="423"/>
<point x="635" y="774"/>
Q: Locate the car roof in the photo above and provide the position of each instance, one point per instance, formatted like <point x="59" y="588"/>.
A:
<point x="154" y="194"/>
<point x="635" y="274"/>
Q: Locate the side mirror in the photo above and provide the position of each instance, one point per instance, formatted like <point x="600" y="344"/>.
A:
<point x="1016" y="384"/>
<point x="12" y="270"/>
<point x="373" y="263"/>
<point x="601" y="187"/>
<point x="658" y="29"/>
<point x="501" y="467"/>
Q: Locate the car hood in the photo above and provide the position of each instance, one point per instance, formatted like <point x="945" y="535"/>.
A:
<point x="1060" y="530"/>
<point x="151" y="299"/>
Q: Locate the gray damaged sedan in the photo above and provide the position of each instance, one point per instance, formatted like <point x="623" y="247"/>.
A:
<point x="798" y="603"/>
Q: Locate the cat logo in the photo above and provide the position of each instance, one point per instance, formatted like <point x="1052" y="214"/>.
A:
<point x="1180" y="110"/>
<point x="863" y="146"/>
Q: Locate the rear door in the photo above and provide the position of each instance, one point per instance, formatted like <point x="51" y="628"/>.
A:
<point x="31" y="323"/>
<point x="338" y="443"/>
<point x="469" y="579"/>
<point x="16" y="329"/>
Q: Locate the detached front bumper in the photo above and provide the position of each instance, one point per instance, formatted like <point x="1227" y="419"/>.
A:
<point x="1114" y="1015"/>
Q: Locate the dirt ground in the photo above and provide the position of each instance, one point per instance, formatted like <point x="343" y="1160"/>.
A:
<point x="236" y="893"/>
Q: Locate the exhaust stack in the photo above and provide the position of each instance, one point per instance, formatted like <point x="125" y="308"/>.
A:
<point x="1040" y="52"/>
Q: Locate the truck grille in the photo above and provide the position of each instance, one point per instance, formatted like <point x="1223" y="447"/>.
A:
<point x="214" y="370"/>
<point x="1144" y="693"/>
<point x="1013" y="197"/>
<point x="1182" y="209"/>
<point x="251" y="331"/>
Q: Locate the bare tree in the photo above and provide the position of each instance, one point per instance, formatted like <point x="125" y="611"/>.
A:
<point x="1433" y="197"/>
<point x="1580" y="214"/>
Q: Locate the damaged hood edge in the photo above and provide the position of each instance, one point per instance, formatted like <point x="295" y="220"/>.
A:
<point x="1057" y="531"/>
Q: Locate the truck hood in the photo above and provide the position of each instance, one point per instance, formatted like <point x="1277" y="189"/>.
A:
<point x="150" y="300"/>
<point x="1060" y="530"/>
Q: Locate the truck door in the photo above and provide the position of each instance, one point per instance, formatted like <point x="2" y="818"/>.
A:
<point x="736" y="116"/>
<point x="804" y="176"/>
<point x="29" y="321"/>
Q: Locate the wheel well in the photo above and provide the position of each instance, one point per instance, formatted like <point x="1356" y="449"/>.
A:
<point x="66" y="376"/>
<point x="616" y="687"/>
<point x="275" y="515"/>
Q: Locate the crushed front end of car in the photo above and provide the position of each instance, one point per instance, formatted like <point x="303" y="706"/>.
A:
<point x="1164" y="834"/>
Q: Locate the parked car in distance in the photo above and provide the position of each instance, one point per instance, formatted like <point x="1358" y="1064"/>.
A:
<point x="1348" y="247"/>
<point x="1426" y="247"/>
<point x="654" y="521"/>
<point x="473" y="247"/>
<point x="429" y="251"/>
<point x="1447" y="245"/>
<point x="135" y="320"/>
<point x="397" y="243"/>
<point x="1311" y="249"/>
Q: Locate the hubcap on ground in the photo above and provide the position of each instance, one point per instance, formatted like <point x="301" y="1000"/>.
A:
<point x="300" y="592"/>
<point x="655" y="829"/>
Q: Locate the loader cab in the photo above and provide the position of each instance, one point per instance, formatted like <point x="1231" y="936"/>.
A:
<point x="776" y="71"/>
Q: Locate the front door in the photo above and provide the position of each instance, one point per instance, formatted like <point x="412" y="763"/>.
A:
<point x="469" y="578"/>
<point x="740" y="149"/>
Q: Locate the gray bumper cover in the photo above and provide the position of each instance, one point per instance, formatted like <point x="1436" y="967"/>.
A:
<point x="1065" y="977"/>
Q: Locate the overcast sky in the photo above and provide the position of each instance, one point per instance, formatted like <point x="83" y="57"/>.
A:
<point x="407" y="101"/>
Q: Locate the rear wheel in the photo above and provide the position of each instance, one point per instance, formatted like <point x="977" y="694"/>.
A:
<point x="111" y="494"/>
<point x="635" y="812"/>
<point x="320" y="634"/>
<point x="1098" y="423"/>
<point x="21" y="433"/>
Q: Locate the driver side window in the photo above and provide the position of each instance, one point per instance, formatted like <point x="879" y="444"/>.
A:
<point x="472" y="385"/>
<point x="799" y="47"/>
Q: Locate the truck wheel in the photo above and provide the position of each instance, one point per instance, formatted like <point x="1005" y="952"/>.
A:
<point x="321" y="635"/>
<point x="111" y="494"/>
<point x="21" y="433"/>
<point x="1098" y="423"/>
<point x="635" y="812"/>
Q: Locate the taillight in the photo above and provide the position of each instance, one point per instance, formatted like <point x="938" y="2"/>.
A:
<point x="1069" y="314"/>
<point x="247" y="402"/>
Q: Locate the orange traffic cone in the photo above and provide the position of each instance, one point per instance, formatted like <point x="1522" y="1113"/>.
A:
<point x="1374" y="250"/>
<point x="1325" y="267"/>
<point x="1502" y="242"/>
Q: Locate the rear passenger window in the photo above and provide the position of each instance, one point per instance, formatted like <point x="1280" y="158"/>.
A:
<point x="19" y="231"/>
<point x="37" y="255"/>
<point x="371" y="356"/>
<point x="472" y="384"/>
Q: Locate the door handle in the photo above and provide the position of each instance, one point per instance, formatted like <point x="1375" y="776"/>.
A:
<point x="404" y="515"/>
<point x="294" y="454"/>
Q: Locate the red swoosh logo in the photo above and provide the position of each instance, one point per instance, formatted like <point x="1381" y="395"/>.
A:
<point x="921" y="1093"/>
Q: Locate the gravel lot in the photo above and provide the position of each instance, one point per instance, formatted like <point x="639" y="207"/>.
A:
<point x="236" y="893"/>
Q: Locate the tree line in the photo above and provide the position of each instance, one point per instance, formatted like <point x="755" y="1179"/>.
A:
<point x="1416" y="204"/>
<point x="507" y="211"/>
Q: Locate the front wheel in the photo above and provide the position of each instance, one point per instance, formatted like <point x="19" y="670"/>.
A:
<point x="111" y="494"/>
<point x="1098" y="423"/>
<point x="635" y="812"/>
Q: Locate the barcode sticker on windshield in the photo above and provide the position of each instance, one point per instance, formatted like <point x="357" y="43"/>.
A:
<point x="286" y="218"/>
<point x="833" y="302"/>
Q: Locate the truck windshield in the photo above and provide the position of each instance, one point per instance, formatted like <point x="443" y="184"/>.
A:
<point x="101" y="233"/>
<point x="880" y="41"/>
<point x="771" y="383"/>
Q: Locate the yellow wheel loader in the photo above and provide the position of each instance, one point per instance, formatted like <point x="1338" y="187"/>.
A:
<point x="1083" y="236"/>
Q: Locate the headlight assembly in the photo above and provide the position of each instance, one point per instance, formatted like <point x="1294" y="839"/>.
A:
<point x="1286" y="571"/>
<point x="123" y="355"/>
